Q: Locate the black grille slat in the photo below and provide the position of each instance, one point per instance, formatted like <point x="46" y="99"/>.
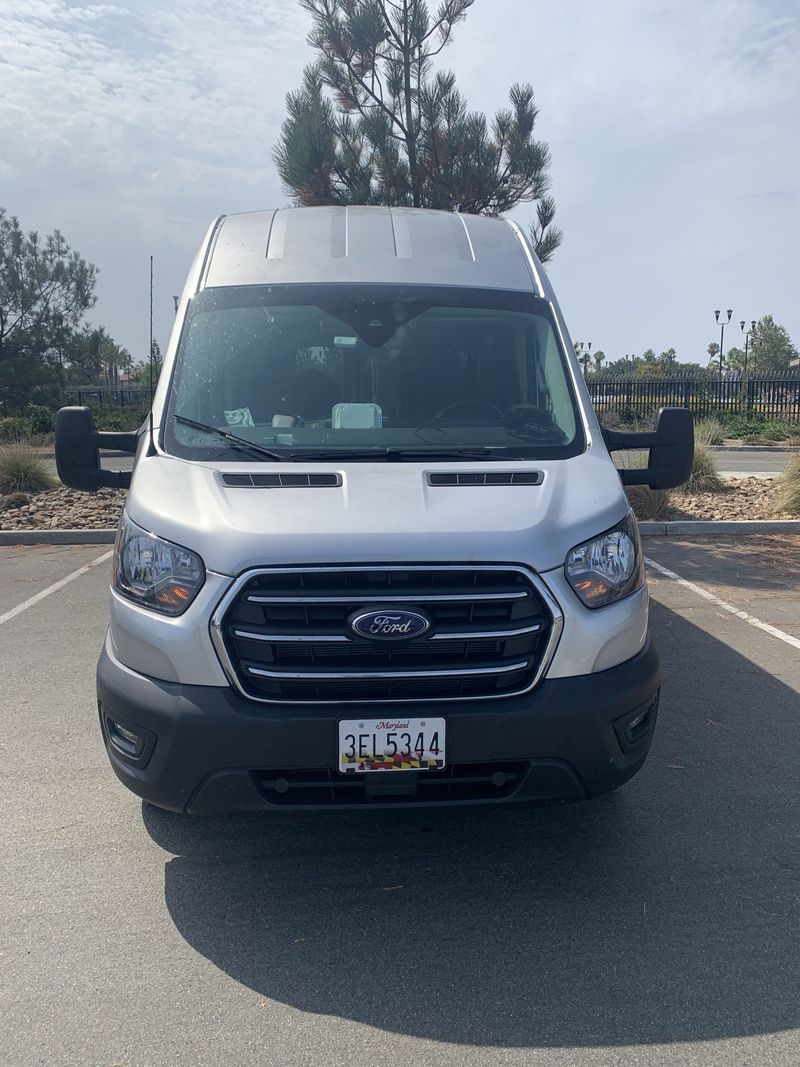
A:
<point x="287" y="636"/>
<point x="456" y="782"/>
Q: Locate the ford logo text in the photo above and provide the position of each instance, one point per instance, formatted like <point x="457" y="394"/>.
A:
<point x="386" y="625"/>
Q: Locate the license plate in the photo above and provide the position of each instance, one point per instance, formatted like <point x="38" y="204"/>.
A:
<point x="391" y="744"/>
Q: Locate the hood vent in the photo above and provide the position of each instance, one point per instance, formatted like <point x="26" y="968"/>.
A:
<point x="485" y="478"/>
<point x="281" y="481"/>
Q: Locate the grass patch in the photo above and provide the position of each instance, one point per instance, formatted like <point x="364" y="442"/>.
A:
<point x="23" y="471"/>
<point x="705" y="476"/>
<point x="649" y="504"/>
<point x="788" y="498"/>
<point x="709" y="432"/>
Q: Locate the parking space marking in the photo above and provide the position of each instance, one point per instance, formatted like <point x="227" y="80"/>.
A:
<point x="743" y="615"/>
<point x="8" y="615"/>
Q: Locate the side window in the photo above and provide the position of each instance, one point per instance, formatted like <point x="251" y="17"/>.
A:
<point x="555" y="382"/>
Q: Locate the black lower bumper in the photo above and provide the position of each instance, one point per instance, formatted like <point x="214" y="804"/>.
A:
<point x="207" y="749"/>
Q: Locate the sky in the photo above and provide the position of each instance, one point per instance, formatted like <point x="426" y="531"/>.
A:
<point x="674" y="129"/>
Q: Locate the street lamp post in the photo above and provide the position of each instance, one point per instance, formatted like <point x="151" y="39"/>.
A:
<point x="584" y="353"/>
<point x="722" y="324"/>
<point x="747" y="335"/>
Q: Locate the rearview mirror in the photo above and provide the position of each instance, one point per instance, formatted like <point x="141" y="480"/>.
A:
<point x="671" y="446"/>
<point x="77" y="451"/>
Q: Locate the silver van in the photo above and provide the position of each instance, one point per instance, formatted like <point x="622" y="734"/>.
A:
<point x="375" y="550"/>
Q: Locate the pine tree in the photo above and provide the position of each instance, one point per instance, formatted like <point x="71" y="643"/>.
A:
<point x="372" y="124"/>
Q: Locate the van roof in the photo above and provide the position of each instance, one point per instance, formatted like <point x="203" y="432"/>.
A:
<point x="369" y="244"/>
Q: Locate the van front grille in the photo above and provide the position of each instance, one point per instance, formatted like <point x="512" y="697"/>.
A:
<point x="285" y="636"/>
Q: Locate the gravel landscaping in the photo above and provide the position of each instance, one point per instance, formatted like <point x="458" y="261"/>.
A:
<point x="741" y="498"/>
<point x="61" y="509"/>
<point x="68" y="509"/>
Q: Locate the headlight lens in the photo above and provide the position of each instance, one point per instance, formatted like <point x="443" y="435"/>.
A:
<point x="155" y="573"/>
<point x="608" y="567"/>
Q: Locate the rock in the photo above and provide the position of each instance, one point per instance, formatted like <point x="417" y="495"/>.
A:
<point x="13" y="500"/>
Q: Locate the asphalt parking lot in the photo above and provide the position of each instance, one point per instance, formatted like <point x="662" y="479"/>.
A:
<point x="660" y="925"/>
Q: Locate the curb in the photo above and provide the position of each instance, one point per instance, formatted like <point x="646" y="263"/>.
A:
<point x="711" y="527"/>
<point x="755" y="448"/>
<point x="57" y="537"/>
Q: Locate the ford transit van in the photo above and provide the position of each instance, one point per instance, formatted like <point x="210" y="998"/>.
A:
<point x="374" y="550"/>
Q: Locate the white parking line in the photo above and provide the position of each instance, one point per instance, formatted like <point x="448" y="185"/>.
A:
<point x="54" y="587"/>
<point x="773" y="631"/>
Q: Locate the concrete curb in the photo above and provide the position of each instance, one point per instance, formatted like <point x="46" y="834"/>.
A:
<point x="712" y="527"/>
<point x="755" y="448"/>
<point x="57" y="537"/>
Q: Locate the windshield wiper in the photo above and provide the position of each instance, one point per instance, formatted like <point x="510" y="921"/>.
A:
<point x="240" y="444"/>
<point x="403" y="455"/>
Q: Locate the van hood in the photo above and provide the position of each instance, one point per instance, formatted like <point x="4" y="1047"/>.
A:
<point x="382" y="512"/>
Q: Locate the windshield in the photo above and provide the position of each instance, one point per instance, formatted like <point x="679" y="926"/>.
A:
<point x="370" y="372"/>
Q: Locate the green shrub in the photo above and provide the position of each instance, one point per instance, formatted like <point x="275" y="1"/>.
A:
<point x="709" y="432"/>
<point x="649" y="503"/>
<point x="23" y="471"/>
<point x="757" y="425"/>
<point x="120" y="420"/>
<point x="742" y="425"/>
<point x="14" y="428"/>
<point x="704" y="477"/>
<point x="41" y="419"/>
<point x="788" y="498"/>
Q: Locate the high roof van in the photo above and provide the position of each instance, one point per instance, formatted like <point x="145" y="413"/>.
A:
<point x="374" y="549"/>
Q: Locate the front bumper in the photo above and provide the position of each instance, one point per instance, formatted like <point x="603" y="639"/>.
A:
<point x="207" y="749"/>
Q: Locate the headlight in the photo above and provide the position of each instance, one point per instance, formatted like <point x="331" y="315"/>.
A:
<point x="607" y="567"/>
<point x="155" y="573"/>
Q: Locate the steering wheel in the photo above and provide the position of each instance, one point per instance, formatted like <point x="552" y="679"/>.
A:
<point x="531" y="421"/>
<point x="470" y="407"/>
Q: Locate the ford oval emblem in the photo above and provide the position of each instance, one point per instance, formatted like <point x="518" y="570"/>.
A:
<point x="389" y="624"/>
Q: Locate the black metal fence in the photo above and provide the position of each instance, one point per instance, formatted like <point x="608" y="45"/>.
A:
<point x="637" y="398"/>
<point x="124" y="397"/>
<point x="630" y="398"/>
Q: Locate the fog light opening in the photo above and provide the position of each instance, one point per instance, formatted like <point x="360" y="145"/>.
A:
<point x="637" y="726"/>
<point x="127" y="741"/>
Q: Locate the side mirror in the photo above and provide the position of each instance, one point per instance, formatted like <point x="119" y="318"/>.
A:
<point x="671" y="447"/>
<point x="77" y="451"/>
